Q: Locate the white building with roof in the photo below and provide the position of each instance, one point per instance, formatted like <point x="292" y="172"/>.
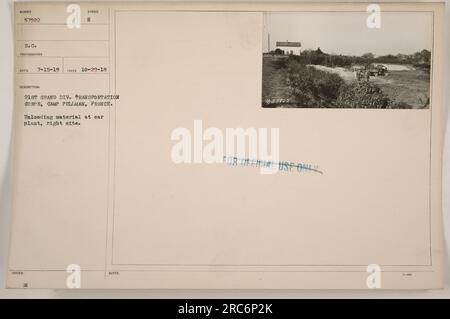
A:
<point x="288" y="47"/>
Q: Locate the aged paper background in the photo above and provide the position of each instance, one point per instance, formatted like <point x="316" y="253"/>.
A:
<point x="380" y="148"/>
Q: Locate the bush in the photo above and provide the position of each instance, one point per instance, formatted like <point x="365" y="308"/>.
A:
<point x="311" y="87"/>
<point x="280" y="63"/>
<point x="363" y="95"/>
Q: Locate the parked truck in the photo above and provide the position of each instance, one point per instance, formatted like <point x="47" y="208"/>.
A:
<point x="377" y="70"/>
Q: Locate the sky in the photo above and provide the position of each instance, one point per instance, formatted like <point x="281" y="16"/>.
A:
<point x="347" y="33"/>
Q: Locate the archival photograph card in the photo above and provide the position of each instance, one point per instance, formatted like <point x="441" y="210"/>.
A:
<point x="227" y="146"/>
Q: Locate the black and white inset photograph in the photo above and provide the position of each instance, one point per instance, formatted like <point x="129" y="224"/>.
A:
<point x="340" y="60"/>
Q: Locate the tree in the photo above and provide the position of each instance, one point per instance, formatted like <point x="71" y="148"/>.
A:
<point x="426" y="56"/>
<point x="279" y="51"/>
<point x="368" y="56"/>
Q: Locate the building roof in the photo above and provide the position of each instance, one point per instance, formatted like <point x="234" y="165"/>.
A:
<point x="288" y="44"/>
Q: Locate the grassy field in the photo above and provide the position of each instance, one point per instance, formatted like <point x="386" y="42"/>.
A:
<point x="407" y="87"/>
<point x="275" y="85"/>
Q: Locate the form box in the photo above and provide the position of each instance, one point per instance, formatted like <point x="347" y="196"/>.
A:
<point x="60" y="32"/>
<point x="86" y="65"/>
<point x="39" y="65"/>
<point x="62" y="48"/>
